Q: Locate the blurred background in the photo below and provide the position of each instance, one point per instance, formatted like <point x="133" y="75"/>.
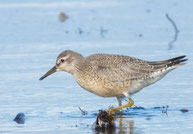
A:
<point x="33" y="33"/>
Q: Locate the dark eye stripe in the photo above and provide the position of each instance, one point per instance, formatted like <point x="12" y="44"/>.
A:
<point x="62" y="60"/>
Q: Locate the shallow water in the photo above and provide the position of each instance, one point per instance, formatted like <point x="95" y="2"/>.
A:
<point x="32" y="36"/>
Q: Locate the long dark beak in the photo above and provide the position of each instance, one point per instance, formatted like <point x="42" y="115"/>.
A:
<point x="51" y="71"/>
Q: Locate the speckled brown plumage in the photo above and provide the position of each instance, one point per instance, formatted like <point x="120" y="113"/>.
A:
<point x="110" y="75"/>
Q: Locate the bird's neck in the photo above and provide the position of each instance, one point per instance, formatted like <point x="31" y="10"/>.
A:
<point x="79" y="66"/>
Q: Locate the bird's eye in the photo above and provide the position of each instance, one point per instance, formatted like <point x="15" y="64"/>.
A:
<point x="62" y="60"/>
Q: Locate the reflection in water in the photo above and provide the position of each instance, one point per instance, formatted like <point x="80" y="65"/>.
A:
<point x="122" y="127"/>
<point x="125" y="126"/>
<point x="126" y="123"/>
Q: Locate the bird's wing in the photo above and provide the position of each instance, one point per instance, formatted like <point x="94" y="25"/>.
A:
<point x="119" y="68"/>
<point x="123" y="68"/>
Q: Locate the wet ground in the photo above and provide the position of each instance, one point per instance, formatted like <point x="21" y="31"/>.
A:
<point x="32" y="36"/>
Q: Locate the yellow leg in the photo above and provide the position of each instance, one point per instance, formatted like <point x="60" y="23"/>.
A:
<point x="113" y="110"/>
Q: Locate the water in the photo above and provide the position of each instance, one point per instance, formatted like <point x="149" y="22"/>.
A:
<point x="32" y="36"/>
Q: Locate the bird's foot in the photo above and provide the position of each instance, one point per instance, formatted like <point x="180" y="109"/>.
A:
<point x="120" y="108"/>
<point x="113" y="110"/>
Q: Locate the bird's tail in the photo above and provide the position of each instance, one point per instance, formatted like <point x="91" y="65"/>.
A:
<point x="169" y="64"/>
<point x="176" y="62"/>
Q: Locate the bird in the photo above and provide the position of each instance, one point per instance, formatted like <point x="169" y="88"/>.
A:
<point x="113" y="75"/>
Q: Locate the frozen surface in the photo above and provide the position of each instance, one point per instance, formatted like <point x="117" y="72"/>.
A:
<point x="31" y="37"/>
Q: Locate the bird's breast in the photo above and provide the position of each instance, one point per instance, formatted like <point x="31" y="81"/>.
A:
<point x="99" y="87"/>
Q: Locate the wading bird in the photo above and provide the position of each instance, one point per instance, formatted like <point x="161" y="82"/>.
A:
<point x="109" y="75"/>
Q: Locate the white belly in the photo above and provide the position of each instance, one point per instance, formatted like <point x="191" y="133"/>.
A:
<point x="140" y="84"/>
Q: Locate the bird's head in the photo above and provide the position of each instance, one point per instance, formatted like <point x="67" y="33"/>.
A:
<point x="66" y="61"/>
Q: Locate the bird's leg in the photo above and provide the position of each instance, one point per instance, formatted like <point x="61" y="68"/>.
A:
<point x="119" y="99"/>
<point x="113" y="110"/>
